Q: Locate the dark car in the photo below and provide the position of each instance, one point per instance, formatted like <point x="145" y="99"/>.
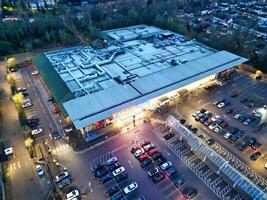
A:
<point x="117" y="196"/>
<point x="168" y="136"/>
<point x="50" y="98"/>
<point x="170" y="171"/>
<point x="199" y="116"/>
<point x="194" y="130"/>
<point x="32" y="122"/>
<point x="190" y="193"/>
<point x="158" y="177"/>
<point x="98" y="167"/>
<point x="156" y="156"/>
<point x="203" y="110"/>
<point x="153" y="171"/>
<point x="251" y="140"/>
<point x="107" y="177"/>
<point x="229" y="111"/>
<point x="242" y="146"/>
<point x="56" y="135"/>
<point x="100" y="172"/>
<point x="25" y="94"/>
<point x="210" y="141"/>
<point x="256" y="145"/>
<point x="239" y="134"/>
<point x="243" y="99"/>
<point x="160" y="160"/>
<point x="179" y="182"/>
<point x="121" y="177"/>
<point x="182" y="121"/>
<point x="146" y="162"/>
<point x="114" y="166"/>
<point x="112" y="191"/>
<point x="255" y="156"/>
<point x="233" y="130"/>
<point x="63" y="183"/>
<point x="232" y="138"/>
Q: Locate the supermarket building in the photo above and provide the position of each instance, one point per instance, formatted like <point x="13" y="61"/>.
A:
<point x="138" y="66"/>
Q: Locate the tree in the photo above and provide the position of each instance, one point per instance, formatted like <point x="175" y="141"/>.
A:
<point x="11" y="62"/>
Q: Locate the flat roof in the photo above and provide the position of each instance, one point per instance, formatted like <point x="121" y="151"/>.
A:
<point x="140" y="63"/>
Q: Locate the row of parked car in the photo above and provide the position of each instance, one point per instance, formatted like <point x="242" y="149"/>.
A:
<point x="232" y="134"/>
<point x="158" y="166"/>
<point x="112" y="169"/>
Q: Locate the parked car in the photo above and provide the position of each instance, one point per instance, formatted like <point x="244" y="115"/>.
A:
<point x="255" y="156"/>
<point x="190" y="193"/>
<point x="229" y="111"/>
<point x="37" y="131"/>
<point x="121" y="177"/>
<point x="146" y="162"/>
<point x="155" y="156"/>
<point x="56" y="135"/>
<point x="256" y="145"/>
<point x="152" y="151"/>
<point x="139" y="152"/>
<point x="112" y="191"/>
<point x="242" y="146"/>
<point x="153" y="171"/>
<point x="144" y="143"/>
<point x="166" y="165"/>
<point x="61" y="176"/>
<point x="149" y="147"/>
<point x="118" y="171"/>
<point x="117" y="196"/>
<point x="218" y="100"/>
<point x="217" y="129"/>
<point x="194" y="114"/>
<point x="170" y="171"/>
<point x="213" y="125"/>
<point x="227" y="135"/>
<point x="210" y="141"/>
<point x="72" y="194"/>
<point x="114" y="166"/>
<point x="223" y="104"/>
<point x="35" y="72"/>
<point x="105" y="178"/>
<point x="21" y="89"/>
<point x="160" y="161"/>
<point x="168" y="136"/>
<point x="247" y="121"/>
<point x="39" y="170"/>
<point x="130" y="188"/>
<point x="111" y="161"/>
<point x="179" y="182"/>
<point x="100" y="172"/>
<point x="63" y="183"/>
<point x="134" y="149"/>
<point x="142" y="157"/>
<point x="158" y="177"/>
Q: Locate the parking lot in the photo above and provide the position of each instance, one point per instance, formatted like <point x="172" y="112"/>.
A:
<point x="83" y="176"/>
<point x="233" y="93"/>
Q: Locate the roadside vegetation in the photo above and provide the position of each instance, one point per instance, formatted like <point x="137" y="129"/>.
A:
<point x="66" y="26"/>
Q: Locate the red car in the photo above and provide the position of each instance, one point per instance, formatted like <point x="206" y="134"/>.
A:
<point x="152" y="151"/>
<point x="208" y="122"/>
<point x="144" y="143"/>
<point x="134" y="149"/>
<point x="56" y="110"/>
<point x="224" y="124"/>
<point x="142" y="157"/>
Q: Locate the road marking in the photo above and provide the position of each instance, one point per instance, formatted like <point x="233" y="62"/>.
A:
<point x="130" y="163"/>
<point x="89" y="186"/>
<point x="167" y="152"/>
<point x="14" y="166"/>
<point x="19" y="164"/>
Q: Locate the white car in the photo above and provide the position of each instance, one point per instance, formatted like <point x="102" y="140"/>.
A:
<point x="37" y="131"/>
<point x="118" y="171"/>
<point x="213" y="125"/>
<point x="26" y="105"/>
<point x="221" y="105"/>
<point x="21" y="89"/>
<point x="217" y="129"/>
<point x="165" y="165"/>
<point x="227" y="135"/>
<point x="111" y="161"/>
<point x="35" y="72"/>
<point x="149" y="147"/>
<point x="61" y="176"/>
<point x="39" y="170"/>
<point x="237" y="116"/>
<point x="257" y="114"/>
<point x="130" y="188"/>
<point x="194" y="114"/>
<point x="139" y="152"/>
<point x="72" y="194"/>
<point x="215" y="118"/>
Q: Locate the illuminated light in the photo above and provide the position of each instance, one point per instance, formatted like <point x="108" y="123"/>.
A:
<point x="57" y="149"/>
<point x="54" y="151"/>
